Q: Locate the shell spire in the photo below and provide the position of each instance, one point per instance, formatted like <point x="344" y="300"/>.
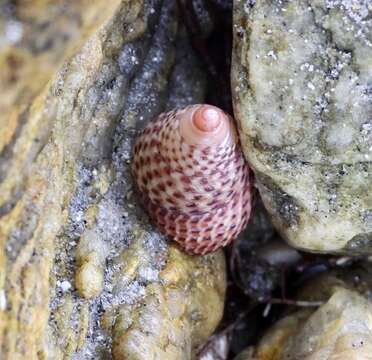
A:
<point x="193" y="177"/>
<point x="206" y="119"/>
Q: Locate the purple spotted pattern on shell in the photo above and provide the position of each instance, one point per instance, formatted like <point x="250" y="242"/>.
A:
<point x="193" y="178"/>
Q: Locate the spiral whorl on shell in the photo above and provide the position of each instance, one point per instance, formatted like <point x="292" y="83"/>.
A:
<point x="193" y="177"/>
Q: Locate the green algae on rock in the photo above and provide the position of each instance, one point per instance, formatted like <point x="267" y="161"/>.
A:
<point x="301" y="83"/>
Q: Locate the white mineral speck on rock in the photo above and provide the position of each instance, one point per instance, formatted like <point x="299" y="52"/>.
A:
<point x="272" y="54"/>
<point x="366" y="128"/>
<point x="310" y="86"/>
<point x="2" y="300"/>
<point x="130" y="294"/>
<point x="13" y="31"/>
<point x="149" y="274"/>
<point x="65" y="285"/>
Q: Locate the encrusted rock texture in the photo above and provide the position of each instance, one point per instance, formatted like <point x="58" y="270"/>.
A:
<point x="83" y="273"/>
<point x="301" y="83"/>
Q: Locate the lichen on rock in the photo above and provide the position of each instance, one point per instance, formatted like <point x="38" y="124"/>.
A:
<point x="301" y="83"/>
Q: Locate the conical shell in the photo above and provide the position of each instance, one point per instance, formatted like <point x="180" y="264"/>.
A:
<point x="197" y="192"/>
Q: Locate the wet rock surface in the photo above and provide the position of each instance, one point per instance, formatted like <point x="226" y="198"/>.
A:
<point x="301" y="83"/>
<point x="260" y="259"/>
<point x="84" y="275"/>
<point x="340" y="328"/>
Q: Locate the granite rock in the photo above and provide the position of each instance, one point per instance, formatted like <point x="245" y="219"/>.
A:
<point x="301" y="83"/>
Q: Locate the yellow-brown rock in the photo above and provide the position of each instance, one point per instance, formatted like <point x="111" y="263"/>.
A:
<point x="174" y="316"/>
<point x="339" y="329"/>
<point x="80" y="79"/>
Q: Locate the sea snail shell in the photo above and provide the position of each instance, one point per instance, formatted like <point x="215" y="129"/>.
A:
<point x="193" y="177"/>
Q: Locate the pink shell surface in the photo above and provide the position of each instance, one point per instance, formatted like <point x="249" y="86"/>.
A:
<point x="200" y="196"/>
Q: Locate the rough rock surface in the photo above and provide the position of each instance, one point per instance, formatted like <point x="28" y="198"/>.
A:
<point x="301" y="82"/>
<point x="83" y="275"/>
<point x="338" y="329"/>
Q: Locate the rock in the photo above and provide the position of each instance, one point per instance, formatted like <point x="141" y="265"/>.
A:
<point x="260" y="258"/>
<point x="35" y="38"/>
<point x="301" y="82"/>
<point x="173" y="317"/>
<point x="338" y="329"/>
<point x="81" y="259"/>
<point x="217" y="348"/>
